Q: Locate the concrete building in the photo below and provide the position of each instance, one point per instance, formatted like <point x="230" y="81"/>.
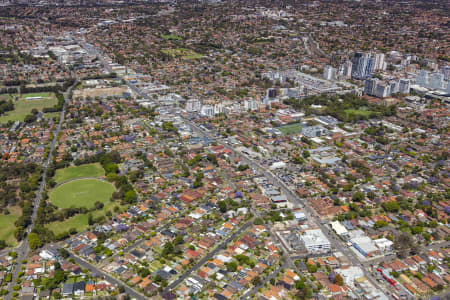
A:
<point x="193" y="105"/>
<point x="251" y="105"/>
<point x="382" y="90"/>
<point x="207" y="111"/>
<point x="370" y="85"/>
<point x="315" y="241"/>
<point x="437" y="81"/>
<point x="404" y="86"/>
<point x="422" y="78"/>
<point x="329" y="73"/>
<point x="314" y="131"/>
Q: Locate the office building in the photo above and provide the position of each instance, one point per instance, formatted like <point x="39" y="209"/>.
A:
<point x="193" y="105"/>
<point x="315" y="241"/>
<point x="404" y="86"/>
<point x="437" y="81"/>
<point x="250" y="105"/>
<point x="207" y="111"/>
<point x="382" y="90"/>
<point x="329" y="73"/>
<point x="347" y="72"/>
<point x="362" y="66"/>
<point x="370" y="85"/>
<point x="422" y="78"/>
<point x="394" y="86"/>
<point x="446" y="71"/>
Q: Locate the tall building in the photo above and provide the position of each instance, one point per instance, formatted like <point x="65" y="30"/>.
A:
<point x="193" y="105"/>
<point x="347" y="73"/>
<point x="250" y="105"/>
<point x="362" y="66"/>
<point x="271" y="93"/>
<point x="329" y="73"/>
<point x="394" y="86"/>
<point x="207" y="111"/>
<point x="379" y="61"/>
<point x="446" y="71"/>
<point x="422" y="78"/>
<point x="437" y="81"/>
<point x="382" y="90"/>
<point x="404" y="86"/>
<point x="370" y="85"/>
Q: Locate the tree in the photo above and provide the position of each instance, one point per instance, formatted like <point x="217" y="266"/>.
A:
<point x="404" y="244"/>
<point x="130" y="196"/>
<point x="90" y="220"/>
<point x="231" y="266"/>
<point x="256" y="281"/>
<point x="34" y="241"/>
<point x="338" y="280"/>
<point x="358" y="196"/>
<point x="380" y="223"/>
<point x="222" y="206"/>
<point x="306" y="154"/>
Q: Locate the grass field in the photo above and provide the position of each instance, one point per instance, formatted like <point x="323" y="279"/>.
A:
<point x="290" y="129"/>
<point x="183" y="53"/>
<point x="7" y="225"/>
<point x="81" y="193"/>
<point x="79" y="222"/>
<point x="88" y="170"/>
<point x="360" y="112"/>
<point x="23" y="106"/>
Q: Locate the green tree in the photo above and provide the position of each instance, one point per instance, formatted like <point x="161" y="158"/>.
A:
<point x="34" y="241"/>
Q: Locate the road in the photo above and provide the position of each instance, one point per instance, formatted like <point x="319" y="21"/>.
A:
<point x="292" y="196"/>
<point x="23" y="249"/>
<point x="207" y="257"/>
<point x="128" y="290"/>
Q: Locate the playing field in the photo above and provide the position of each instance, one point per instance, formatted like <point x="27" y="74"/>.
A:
<point x="28" y="102"/>
<point x="7" y="225"/>
<point x="359" y="112"/>
<point x="183" y="53"/>
<point x="88" y="170"/>
<point x="290" y="129"/>
<point x="81" y="193"/>
<point x="79" y="222"/>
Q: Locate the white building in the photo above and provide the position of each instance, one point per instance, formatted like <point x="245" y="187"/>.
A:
<point x="315" y="241"/>
<point x="250" y="105"/>
<point x="347" y="69"/>
<point x="218" y="109"/>
<point x="340" y="229"/>
<point x="437" y="81"/>
<point x="207" y="111"/>
<point x="384" y="244"/>
<point x="404" y="86"/>
<point x="422" y="78"/>
<point x="382" y="90"/>
<point x="329" y="73"/>
<point x="193" y="105"/>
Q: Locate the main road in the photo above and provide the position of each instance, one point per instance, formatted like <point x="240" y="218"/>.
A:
<point x="23" y="249"/>
<point x="292" y="197"/>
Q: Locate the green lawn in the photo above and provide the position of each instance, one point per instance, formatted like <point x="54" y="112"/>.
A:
<point x="23" y="106"/>
<point x="81" y="193"/>
<point x="290" y="129"/>
<point x="88" y="170"/>
<point x="79" y="222"/>
<point x="7" y="225"/>
<point x="183" y="53"/>
<point x="360" y="112"/>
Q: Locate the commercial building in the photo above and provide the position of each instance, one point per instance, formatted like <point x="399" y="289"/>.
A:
<point x="314" y="131"/>
<point x="329" y="73"/>
<point x="315" y="241"/>
<point x="193" y="105"/>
